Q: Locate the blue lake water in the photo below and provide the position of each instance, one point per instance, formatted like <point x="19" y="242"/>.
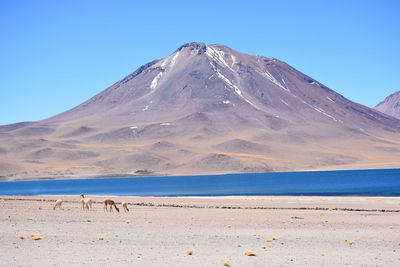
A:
<point x="382" y="182"/>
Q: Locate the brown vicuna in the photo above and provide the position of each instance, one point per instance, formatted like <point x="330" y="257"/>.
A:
<point x="57" y="204"/>
<point x="111" y="203"/>
<point x="125" y="206"/>
<point x="86" y="202"/>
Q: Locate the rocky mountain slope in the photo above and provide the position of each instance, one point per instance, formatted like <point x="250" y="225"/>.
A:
<point x="205" y="109"/>
<point x="391" y="105"/>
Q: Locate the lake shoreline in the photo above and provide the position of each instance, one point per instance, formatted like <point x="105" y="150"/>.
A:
<point x="155" y="175"/>
<point x="337" y="203"/>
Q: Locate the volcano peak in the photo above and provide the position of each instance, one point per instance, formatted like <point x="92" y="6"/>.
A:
<point x="256" y="113"/>
<point x="197" y="46"/>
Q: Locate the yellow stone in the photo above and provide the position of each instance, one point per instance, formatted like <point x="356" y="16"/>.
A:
<point x="250" y="253"/>
<point x="36" y="237"/>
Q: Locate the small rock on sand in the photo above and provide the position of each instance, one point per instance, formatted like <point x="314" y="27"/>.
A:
<point x="250" y="253"/>
<point x="227" y="263"/>
<point x="36" y="237"/>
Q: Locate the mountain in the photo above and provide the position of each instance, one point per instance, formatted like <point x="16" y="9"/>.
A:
<point x="391" y="105"/>
<point x="205" y="109"/>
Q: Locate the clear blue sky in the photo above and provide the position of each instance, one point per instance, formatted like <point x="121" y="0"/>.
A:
<point x="56" y="54"/>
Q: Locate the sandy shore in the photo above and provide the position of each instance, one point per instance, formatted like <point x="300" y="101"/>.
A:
<point x="310" y="231"/>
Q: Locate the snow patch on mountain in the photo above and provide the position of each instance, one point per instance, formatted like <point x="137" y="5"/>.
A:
<point x="324" y="113"/>
<point x="174" y="59"/>
<point x="283" y="101"/>
<point x="154" y="82"/>
<point x="218" y="56"/>
<point x="233" y="60"/>
<point x="275" y="81"/>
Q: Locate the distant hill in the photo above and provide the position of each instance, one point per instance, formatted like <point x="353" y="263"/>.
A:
<point x="205" y="109"/>
<point x="391" y="105"/>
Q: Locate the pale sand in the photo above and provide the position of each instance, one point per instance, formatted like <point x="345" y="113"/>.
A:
<point x="306" y="237"/>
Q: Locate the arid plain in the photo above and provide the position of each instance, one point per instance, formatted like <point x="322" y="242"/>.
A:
<point x="281" y="231"/>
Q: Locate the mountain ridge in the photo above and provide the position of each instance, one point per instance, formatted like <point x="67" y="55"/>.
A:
<point x="390" y="105"/>
<point x="214" y="106"/>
